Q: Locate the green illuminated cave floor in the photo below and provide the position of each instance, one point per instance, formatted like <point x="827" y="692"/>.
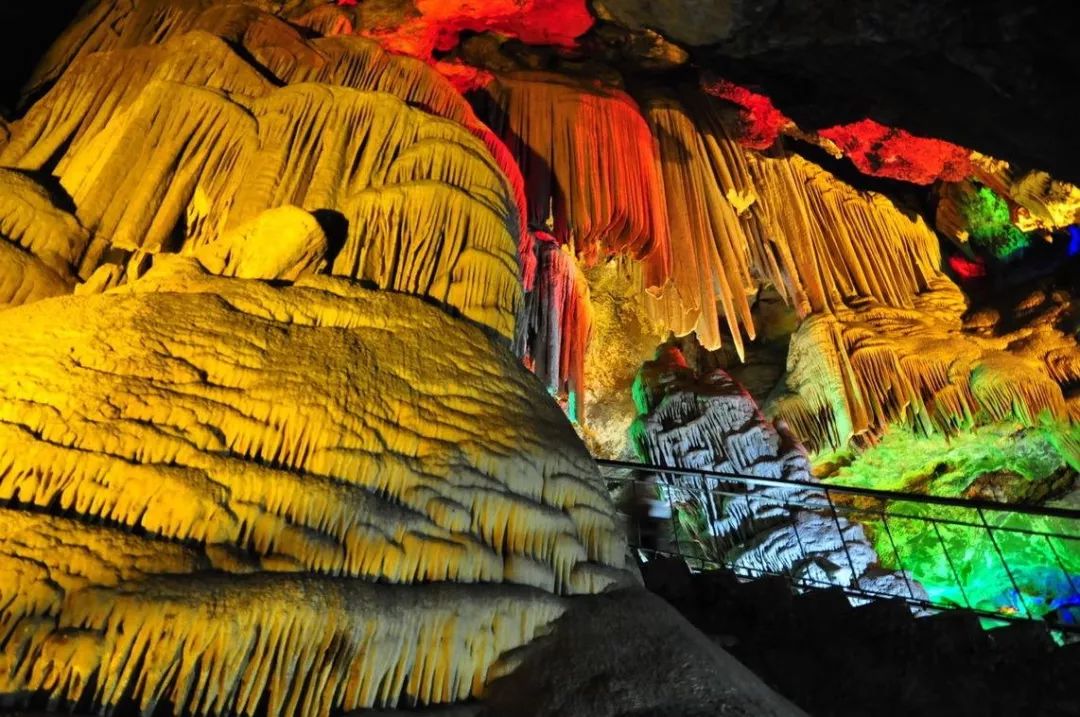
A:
<point x="945" y="466"/>
<point x="961" y="564"/>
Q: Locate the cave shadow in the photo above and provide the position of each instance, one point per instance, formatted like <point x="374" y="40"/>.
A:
<point x="538" y="176"/>
<point x="335" y="226"/>
<point x="29" y="30"/>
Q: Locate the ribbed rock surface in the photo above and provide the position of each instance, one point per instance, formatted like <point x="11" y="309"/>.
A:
<point x="739" y="220"/>
<point x="710" y="423"/>
<point x="38" y="242"/>
<point x="554" y="335"/>
<point x="416" y="202"/>
<point x="292" y="446"/>
<point x="590" y="167"/>
<point x="858" y="370"/>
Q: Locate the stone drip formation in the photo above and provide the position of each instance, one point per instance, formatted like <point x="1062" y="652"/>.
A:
<point x="269" y="289"/>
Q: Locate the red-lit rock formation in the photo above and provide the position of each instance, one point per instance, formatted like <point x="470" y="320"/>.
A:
<point x="440" y="23"/>
<point x="890" y="152"/>
<point x="875" y="149"/>
<point x="762" y="122"/>
<point x="589" y="164"/>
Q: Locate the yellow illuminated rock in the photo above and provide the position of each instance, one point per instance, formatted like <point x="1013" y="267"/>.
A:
<point x="422" y="207"/>
<point x="280" y="243"/>
<point x="856" y="371"/>
<point x="744" y="219"/>
<point x="324" y="430"/>
<point x="38" y="242"/>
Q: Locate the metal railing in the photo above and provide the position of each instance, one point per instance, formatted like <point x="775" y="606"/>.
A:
<point x="1001" y="561"/>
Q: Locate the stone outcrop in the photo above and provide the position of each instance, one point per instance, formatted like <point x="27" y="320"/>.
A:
<point x="180" y="428"/>
<point x="710" y="423"/>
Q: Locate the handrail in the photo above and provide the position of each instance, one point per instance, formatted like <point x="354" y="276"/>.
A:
<point x="822" y="501"/>
<point x="972" y="503"/>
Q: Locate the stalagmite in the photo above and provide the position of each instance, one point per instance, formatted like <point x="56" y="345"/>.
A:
<point x="555" y="334"/>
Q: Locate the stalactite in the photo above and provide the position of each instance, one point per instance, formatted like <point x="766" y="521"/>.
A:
<point x="854" y="372"/>
<point x="241" y="644"/>
<point x="590" y="168"/>
<point x="746" y="219"/>
<point x="710" y="263"/>
<point x="212" y="163"/>
<point x="234" y="167"/>
<point x="193" y="57"/>
<point x="363" y="65"/>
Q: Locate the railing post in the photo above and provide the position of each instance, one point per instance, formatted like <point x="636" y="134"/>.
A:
<point x="674" y="518"/>
<point x="795" y="528"/>
<point x="753" y="531"/>
<point x="896" y="552"/>
<point x="1004" y="564"/>
<point x="948" y="559"/>
<point x="840" y="534"/>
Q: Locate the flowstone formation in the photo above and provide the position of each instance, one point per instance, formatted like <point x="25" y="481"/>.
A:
<point x="242" y="469"/>
<point x="361" y="503"/>
<point x="265" y="444"/>
<point x="298" y="296"/>
<point x="709" y="423"/>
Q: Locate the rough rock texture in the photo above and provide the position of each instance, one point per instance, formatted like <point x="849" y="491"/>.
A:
<point x="39" y="242"/>
<point x="186" y="409"/>
<point x="623" y="338"/>
<point x="858" y="370"/>
<point x="661" y="666"/>
<point x="554" y="336"/>
<point x="710" y="423"/>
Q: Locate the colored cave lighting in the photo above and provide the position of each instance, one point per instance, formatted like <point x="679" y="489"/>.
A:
<point x="762" y="122"/>
<point x="1074" y="241"/>
<point x="874" y="148"/>
<point x="441" y="22"/>
<point x="893" y="153"/>
<point x="990" y="225"/>
<point x="964" y="567"/>
<point x="958" y="563"/>
<point x="967" y="268"/>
